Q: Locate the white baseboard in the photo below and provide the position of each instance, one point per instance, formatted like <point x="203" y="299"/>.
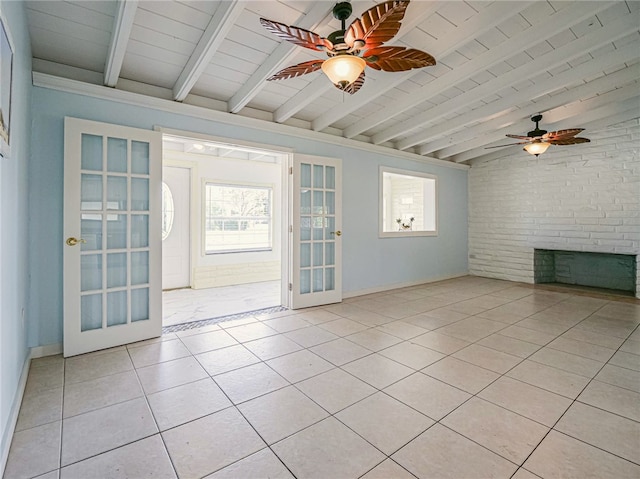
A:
<point x="388" y="287"/>
<point x="48" y="350"/>
<point x="13" y="415"/>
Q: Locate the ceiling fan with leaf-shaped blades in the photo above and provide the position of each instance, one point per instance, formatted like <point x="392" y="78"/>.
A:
<point x="537" y="141"/>
<point x="351" y="49"/>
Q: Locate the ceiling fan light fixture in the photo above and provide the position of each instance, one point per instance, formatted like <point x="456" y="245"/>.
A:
<point x="537" y="147"/>
<point x="343" y="69"/>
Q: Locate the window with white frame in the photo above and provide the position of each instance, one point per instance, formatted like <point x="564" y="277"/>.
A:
<point x="408" y="203"/>
<point x="237" y="218"/>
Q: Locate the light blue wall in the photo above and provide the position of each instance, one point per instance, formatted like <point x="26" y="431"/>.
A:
<point x="368" y="261"/>
<point x="13" y="220"/>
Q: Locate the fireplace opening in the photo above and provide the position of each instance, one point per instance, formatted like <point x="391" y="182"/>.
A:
<point x="615" y="272"/>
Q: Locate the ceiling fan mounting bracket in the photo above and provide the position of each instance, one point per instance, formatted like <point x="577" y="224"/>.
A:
<point x="342" y="11"/>
<point x="536" y="118"/>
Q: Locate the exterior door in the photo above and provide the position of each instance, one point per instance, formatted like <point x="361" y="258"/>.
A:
<point x="112" y="238"/>
<point x="176" y="228"/>
<point x="316" y="231"/>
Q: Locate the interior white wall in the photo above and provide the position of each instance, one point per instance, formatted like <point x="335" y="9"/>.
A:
<point x="369" y="262"/>
<point x="14" y="240"/>
<point x="582" y="198"/>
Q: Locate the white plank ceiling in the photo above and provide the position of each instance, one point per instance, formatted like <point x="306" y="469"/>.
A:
<point x="498" y="63"/>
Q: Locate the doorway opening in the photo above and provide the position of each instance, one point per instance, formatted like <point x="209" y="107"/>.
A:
<point x="223" y="239"/>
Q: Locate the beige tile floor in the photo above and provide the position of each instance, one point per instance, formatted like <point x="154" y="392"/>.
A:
<point x="462" y="379"/>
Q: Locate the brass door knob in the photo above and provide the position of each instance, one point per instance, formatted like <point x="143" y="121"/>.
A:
<point x="71" y="241"/>
<point x="337" y="233"/>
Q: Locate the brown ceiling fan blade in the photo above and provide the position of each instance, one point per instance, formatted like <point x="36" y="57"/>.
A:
<point x="297" y="70"/>
<point x="561" y="134"/>
<point x="520" y="137"/>
<point x="502" y="146"/>
<point x="352" y="87"/>
<point x="569" y="141"/>
<point x="397" y="59"/>
<point x="298" y="36"/>
<point x="378" y="24"/>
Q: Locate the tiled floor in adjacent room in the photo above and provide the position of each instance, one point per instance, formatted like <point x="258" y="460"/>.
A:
<point x="187" y="305"/>
<point x="467" y="378"/>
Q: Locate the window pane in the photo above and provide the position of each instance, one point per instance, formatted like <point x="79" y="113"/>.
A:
<point x="116" y="270"/>
<point x="237" y="218"/>
<point x="117" y="193"/>
<point x="116" y="231"/>
<point x="305" y="175"/>
<point x="139" y="304"/>
<point x="317" y="280"/>
<point x="91" y="312"/>
<point x="305" y="281"/>
<point x="139" y="231"/>
<point x="116" y="308"/>
<point x="91" y="192"/>
<point x="91" y="152"/>
<point x="408" y="202"/>
<point x="90" y="272"/>
<point x="318" y="176"/>
<point x="117" y="155"/>
<point x="140" y="157"/>
<point x="305" y="255"/>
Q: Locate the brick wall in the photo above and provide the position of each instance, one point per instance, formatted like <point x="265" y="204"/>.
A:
<point x="582" y="198"/>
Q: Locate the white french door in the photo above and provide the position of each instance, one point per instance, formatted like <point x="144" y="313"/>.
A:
<point x="112" y="235"/>
<point x="316" y="231"/>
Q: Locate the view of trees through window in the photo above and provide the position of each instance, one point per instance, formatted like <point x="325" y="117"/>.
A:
<point x="237" y="218"/>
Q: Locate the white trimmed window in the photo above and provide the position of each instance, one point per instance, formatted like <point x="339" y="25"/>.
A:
<point x="408" y="203"/>
<point x="237" y="218"/>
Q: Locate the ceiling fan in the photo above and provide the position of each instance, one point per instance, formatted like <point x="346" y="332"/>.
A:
<point x="537" y="141"/>
<point x="352" y="48"/>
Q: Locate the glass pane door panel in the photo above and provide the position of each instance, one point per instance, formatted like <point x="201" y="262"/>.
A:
<point x="91" y="192"/>
<point x="90" y="272"/>
<point x="305" y="281"/>
<point x="317" y="280"/>
<point x="318" y="202"/>
<point x="331" y="178"/>
<point x="117" y="193"/>
<point x="305" y="202"/>
<point x="305" y="175"/>
<point x="140" y="157"/>
<point x="91" y="158"/>
<point x="317" y="254"/>
<point x="305" y="255"/>
<point x="139" y="304"/>
<point x="318" y="176"/>
<point x="139" y="231"/>
<point x="329" y="279"/>
<point x="305" y="228"/>
<point x="330" y="253"/>
<point x="117" y="155"/>
<point x="116" y="270"/>
<point x="139" y="267"/>
<point x="116" y="231"/>
<point x="116" y="308"/>
<point x="91" y="231"/>
<point x="317" y="227"/>
<point x="139" y="194"/>
<point x="331" y="203"/>
<point x="91" y="312"/>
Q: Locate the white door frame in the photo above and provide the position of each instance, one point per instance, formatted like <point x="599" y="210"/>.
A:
<point x="285" y="241"/>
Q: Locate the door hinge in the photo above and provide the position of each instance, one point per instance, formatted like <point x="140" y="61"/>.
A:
<point x="291" y="170"/>
<point x="290" y="287"/>
<point x="290" y="228"/>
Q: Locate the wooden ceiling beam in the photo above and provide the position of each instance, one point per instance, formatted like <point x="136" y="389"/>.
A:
<point x="221" y="22"/>
<point x="122" y="25"/>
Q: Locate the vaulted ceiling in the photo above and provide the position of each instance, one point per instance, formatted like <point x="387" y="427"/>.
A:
<point x="498" y="63"/>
